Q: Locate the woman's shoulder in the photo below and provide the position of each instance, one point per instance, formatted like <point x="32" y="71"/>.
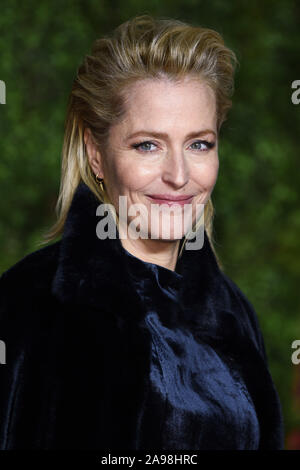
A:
<point x="33" y="271"/>
<point x="247" y="313"/>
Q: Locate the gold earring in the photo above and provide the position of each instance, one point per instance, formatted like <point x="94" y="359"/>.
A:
<point x="100" y="181"/>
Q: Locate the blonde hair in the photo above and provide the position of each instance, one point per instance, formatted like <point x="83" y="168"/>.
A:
<point x="141" y="48"/>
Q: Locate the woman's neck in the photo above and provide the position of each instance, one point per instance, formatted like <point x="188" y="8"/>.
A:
<point x="161" y="252"/>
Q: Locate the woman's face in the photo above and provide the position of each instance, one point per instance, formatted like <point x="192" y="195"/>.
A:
<point x="166" y="145"/>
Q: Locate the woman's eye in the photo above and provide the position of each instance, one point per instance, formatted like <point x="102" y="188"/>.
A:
<point x="203" y="145"/>
<point x="145" y="146"/>
<point x="207" y="145"/>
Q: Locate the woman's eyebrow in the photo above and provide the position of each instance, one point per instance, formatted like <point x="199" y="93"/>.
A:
<point x="163" y="135"/>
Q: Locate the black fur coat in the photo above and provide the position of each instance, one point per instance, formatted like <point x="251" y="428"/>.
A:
<point x="77" y="350"/>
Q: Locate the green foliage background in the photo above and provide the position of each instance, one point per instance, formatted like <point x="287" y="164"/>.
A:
<point x="257" y="221"/>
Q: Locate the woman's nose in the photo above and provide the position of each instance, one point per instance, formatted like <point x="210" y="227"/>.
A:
<point x="175" y="169"/>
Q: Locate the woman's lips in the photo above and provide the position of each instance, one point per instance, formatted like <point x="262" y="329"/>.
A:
<point x="171" y="202"/>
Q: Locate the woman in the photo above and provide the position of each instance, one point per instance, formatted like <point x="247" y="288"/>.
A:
<point x="122" y="335"/>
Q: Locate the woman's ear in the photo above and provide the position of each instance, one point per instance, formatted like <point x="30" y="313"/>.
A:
<point x="93" y="153"/>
